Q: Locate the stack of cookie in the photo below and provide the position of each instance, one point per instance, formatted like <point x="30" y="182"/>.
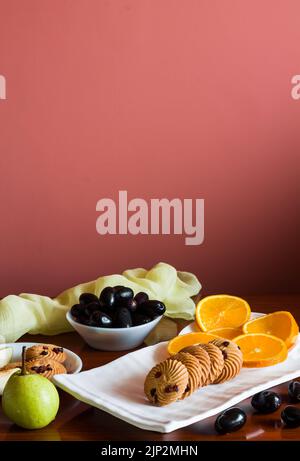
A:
<point x="195" y="366"/>
<point x="44" y="359"/>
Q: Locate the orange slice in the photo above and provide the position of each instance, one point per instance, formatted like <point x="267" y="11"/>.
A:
<point x="226" y="333"/>
<point x="281" y="324"/>
<point x="189" y="339"/>
<point x="222" y="311"/>
<point x="261" y="350"/>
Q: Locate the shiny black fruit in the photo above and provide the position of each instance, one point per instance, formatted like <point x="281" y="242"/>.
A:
<point x="92" y="307"/>
<point x="87" y="298"/>
<point x="140" y="319"/>
<point x="76" y="310"/>
<point x="132" y="305"/>
<point x="266" y="402"/>
<point x="122" y="318"/>
<point x="83" y="316"/>
<point x="153" y="308"/>
<point x="101" y="319"/>
<point x="123" y="295"/>
<point x="294" y="391"/>
<point x="107" y="297"/>
<point x="118" y="287"/>
<point x="291" y="416"/>
<point x="141" y="297"/>
<point x="230" y="420"/>
<point x="84" y="319"/>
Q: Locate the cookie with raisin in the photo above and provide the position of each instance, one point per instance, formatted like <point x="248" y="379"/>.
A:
<point x="216" y="361"/>
<point x="203" y="362"/>
<point x="46" y="351"/>
<point x="166" y="382"/>
<point x="192" y="366"/>
<point x="45" y="367"/>
<point x="233" y="359"/>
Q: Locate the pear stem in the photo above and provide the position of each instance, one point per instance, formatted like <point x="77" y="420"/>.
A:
<point x="23" y="370"/>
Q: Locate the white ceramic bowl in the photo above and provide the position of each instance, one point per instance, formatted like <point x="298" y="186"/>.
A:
<point x="72" y="363"/>
<point x="113" y="339"/>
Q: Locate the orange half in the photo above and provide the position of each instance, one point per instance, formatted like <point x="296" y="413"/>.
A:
<point x="222" y="311"/>
<point x="281" y="324"/>
<point x="189" y="339"/>
<point x="226" y="333"/>
<point x="261" y="350"/>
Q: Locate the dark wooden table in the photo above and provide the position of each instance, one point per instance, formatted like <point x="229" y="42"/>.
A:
<point x="78" y="421"/>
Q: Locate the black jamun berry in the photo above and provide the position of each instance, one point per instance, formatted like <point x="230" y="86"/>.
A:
<point x="291" y="416"/>
<point x="123" y="295"/>
<point x="153" y="308"/>
<point x="230" y="420"/>
<point x="141" y="297"/>
<point x="122" y="318"/>
<point x="101" y="319"/>
<point x="107" y="297"/>
<point x="87" y="298"/>
<point x="266" y="402"/>
<point x="294" y="391"/>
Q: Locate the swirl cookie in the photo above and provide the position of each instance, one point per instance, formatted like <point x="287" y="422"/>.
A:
<point x="192" y="366"/>
<point x="45" y="367"/>
<point x="203" y="362"/>
<point x="233" y="359"/>
<point x="46" y="351"/>
<point x="216" y="361"/>
<point x="166" y="382"/>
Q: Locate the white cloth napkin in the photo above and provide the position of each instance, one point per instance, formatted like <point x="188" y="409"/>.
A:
<point x="117" y="388"/>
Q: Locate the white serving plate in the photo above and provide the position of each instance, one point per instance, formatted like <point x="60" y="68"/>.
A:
<point x="73" y="362"/>
<point x="118" y="389"/>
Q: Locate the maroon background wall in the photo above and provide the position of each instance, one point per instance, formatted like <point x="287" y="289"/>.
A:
<point x="165" y="98"/>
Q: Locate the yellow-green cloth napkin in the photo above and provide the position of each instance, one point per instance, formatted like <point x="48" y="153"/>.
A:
<point x="35" y="314"/>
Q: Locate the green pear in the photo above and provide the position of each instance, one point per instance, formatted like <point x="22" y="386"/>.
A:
<point x="30" y="401"/>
